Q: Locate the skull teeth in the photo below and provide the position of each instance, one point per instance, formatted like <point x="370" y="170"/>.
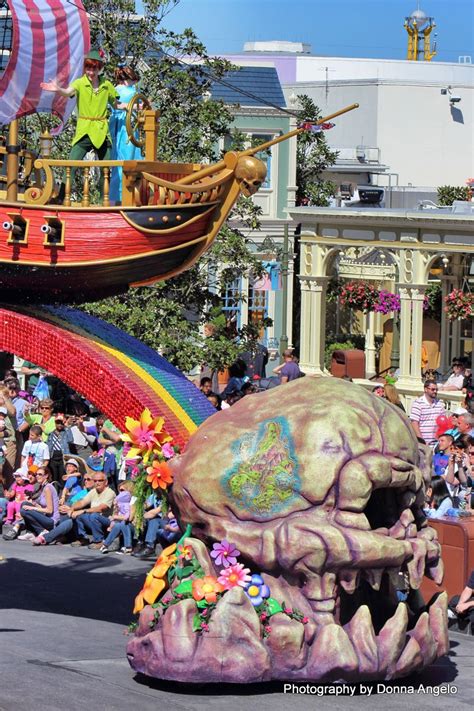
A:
<point x="373" y="577"/>
<point x="349" y="580"/>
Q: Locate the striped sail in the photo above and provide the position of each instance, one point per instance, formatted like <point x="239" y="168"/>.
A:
<point x="50" y="38"/>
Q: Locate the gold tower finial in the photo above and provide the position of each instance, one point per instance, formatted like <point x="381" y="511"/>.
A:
<point x="419" y="28"/>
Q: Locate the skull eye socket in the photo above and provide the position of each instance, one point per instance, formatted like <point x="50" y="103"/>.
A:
<point x="382" y="509"/>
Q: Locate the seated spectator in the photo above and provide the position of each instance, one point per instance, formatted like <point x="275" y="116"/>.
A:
<point x="59" y="443"/>
<point x="463" y="605"/>
<point x="93" y="512"/>
<point x="17" y="495"/>
<point x="66" y="525"/>
<point x="456" y="379"/>
<point x="215" y="400"/>
<point x="35" y="451"/>
<point x="41" y="515"/>
<point x="236" y="380"/>
<point x="230" y="400"/>
<point x="205" y="386"/>
<point x="442" y="453"/>
<point x="154" y="522"/>
<point x="72" y="480"/>
<point x="439" y="500"/>
<point x="170" y="532"/>
<point x="288" y="370"/>
<point x="122" y="519"/>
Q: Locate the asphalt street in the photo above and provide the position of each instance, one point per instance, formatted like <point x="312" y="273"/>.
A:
<point x="63" y="614"/>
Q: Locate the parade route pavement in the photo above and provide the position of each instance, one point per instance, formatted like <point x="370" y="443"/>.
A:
<point x="63" y="614"/>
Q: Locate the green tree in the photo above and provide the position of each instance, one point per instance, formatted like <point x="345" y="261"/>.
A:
<point x="313" y="157"/>
<point x="170" y="316"/>
<point x="447" y="194"/>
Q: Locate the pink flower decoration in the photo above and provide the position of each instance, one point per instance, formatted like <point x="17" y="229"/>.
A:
<point x="167" y="450"/>
<point x="288" y="610"/>
<point x="225" y="553"/>
<point x="305" y="620"/>
<point x="234" y="575"/>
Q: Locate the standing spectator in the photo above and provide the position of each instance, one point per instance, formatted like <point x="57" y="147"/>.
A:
<point x="392" y="395"/>
<point x="466" y="424"/>
<point x="59" y="443"/>
<point x="425" y="411"/>
<point x="35" y="451"/>
<point x="92" y="513"/>
<point x="256" y="360"/>
<point x="6" y="434"/>
<point x="32" y="373"/>
<point x="44" y="418"/>
<point x="10" y="423"/>
<point x="42" y="515"/>
<point x="288" y="370"/>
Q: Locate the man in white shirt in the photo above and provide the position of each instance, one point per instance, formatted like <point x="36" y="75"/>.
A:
<point x="456" y="379"/>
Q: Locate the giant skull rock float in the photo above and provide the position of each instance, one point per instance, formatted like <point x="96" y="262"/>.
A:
<point x="320" y="485"/>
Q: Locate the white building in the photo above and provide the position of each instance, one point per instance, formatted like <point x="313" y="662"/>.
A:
<point x="414" y="126"/>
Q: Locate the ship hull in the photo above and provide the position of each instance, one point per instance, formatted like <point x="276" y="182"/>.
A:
<point x="98" y="252"/>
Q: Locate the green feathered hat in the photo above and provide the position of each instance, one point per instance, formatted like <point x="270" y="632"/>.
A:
<point x="95" y="55"/>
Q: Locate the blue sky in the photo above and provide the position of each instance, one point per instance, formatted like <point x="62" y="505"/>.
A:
<point x="348" y="28"/>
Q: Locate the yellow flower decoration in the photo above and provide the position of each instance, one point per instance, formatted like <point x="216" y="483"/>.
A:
<point x="146" y="436"/>
<point x="154" y="581"/>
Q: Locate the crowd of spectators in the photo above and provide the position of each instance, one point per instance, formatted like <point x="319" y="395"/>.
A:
<point x="63" y="477"/>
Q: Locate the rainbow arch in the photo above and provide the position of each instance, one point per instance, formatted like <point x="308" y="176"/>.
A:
<point x="118" y="374"/>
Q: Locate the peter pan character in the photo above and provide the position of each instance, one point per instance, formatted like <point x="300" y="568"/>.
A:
<point x="94" y="94"/>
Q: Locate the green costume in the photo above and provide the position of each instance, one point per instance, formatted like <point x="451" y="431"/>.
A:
<point x="92" y="130"/>
<point x="92" y="110"/>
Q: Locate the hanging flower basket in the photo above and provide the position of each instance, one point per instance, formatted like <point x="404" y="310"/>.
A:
<point x="359" y="295"/>
<point x="459" y="305"/>
<point x="387" y="303"/>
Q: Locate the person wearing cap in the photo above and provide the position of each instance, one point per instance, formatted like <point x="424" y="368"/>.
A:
<point x="72" y="479"/>
<point x="59" y="443"/>
<point x="94" y="95"/>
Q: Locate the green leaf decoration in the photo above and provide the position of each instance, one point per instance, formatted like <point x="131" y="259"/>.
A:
<point x="202" y="603"/>
<point x="184" y="572"/>
<point x="185" y="535"/>
<point x="273" y="606"/>
<point x="196" y="623"/>
<point x="184" y="588"/>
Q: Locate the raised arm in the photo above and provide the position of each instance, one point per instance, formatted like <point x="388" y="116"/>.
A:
<point x="52" y="85"/>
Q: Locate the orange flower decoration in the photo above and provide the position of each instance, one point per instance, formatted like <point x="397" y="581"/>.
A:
<point x="146" y="436"/>
<point x="159" y="475"/>
<point x="154" y="581"/>
<point x="206" y="588"/>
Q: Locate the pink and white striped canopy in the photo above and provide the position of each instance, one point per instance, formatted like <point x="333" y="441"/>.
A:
<point x="50" y="38"/>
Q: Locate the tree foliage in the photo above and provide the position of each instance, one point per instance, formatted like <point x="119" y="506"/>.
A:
<point x="313" y="157"/>
<point x="170" y="316"/>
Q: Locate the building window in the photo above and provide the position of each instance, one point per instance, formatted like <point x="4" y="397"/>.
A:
<point x="232" y="301"/>
<point x="258" y="308"/>
<point x="265" y="157"/>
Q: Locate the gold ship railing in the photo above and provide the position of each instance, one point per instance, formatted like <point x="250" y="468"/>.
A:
<point x="142" y="181"/>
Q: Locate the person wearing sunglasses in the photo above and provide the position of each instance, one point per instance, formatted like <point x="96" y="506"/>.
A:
<point x="44" y="417"/>
<point x="94" y="96"/>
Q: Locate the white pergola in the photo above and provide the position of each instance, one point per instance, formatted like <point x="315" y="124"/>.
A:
<point x="415" y="240"/>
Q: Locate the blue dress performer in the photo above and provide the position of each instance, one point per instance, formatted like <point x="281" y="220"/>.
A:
<point x="122" y="147"/>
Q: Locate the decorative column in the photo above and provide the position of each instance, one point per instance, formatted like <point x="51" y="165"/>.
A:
<point x="445" y="325"/>
<point x="405" y="335"/>
<point x="313" y="324"/>
<point x="370" y="349"/>
<point x="291" y="274"/>
<point x="417" y="296"/>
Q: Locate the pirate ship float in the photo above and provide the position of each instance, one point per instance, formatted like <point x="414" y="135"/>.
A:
<point x="77" y="251"/>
